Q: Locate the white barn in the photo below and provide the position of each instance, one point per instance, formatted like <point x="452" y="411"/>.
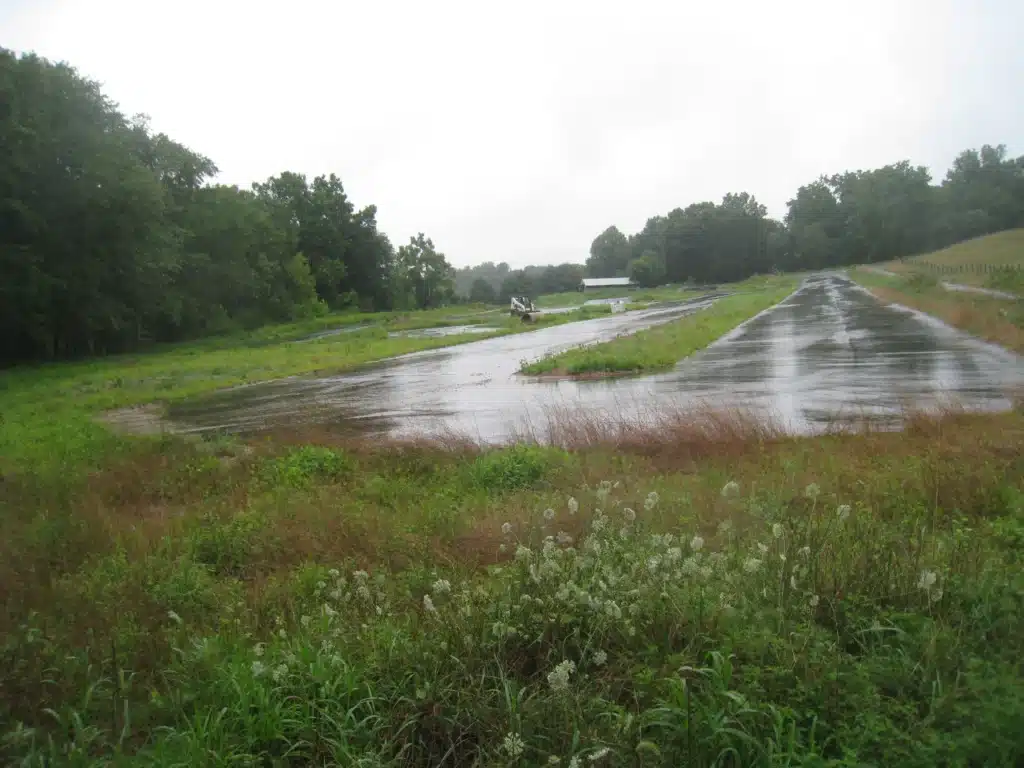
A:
<point x="591" y="283"/>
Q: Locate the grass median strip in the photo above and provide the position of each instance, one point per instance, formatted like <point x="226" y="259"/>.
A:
<point x="662" y="347"/>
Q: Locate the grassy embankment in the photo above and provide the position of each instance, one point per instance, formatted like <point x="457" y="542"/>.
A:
<point x="1000" y="321"/>
<point x="662" y="347"/>
<point x="972" y="262"/>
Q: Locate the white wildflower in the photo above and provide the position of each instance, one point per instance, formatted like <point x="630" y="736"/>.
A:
<point x="612" y="609"/>
<point x="328" y="611"/>
<point x="725" y="526"/>
<point x="602" y="494"/>
<point x="814" y="601"/>
<point x="792" y="581"/>
<point x="282" y="633"/>
<point x="574" y="763"/>
<point x="804" y="551"/>
<point x="559" y="678"/>
<point x="778" y="530"/>
<point x="782" y="557"/>
<point x="360" y="575"/>
<point x="258" y="649"/>
<point x="506" y="528"/>
<point x="574" y="506"/>
<point x="600" y="658"/>
<point x="334" y="573"/>
<point x="502" y="548"/>
<point x="697" y="543"/>
<point x="513" y="745"/>
<point x="258" y="668"/>
<point x="927" y="580"/>
<point x="653" y="562"/>
<point x="651" y="501"/>
<point x="428" y="604"/>
<point x="523" y="553"/>
<point x="936" y="595"/>
<point x="336" y="594"/>
<point x="442" y="586"/>
<point x="599" y="754"/>
<point x="762" y="548"/>
<point x="673" y="555"/>
<point x="564" y="538"/>
<point x="751" y="565"/>
<point x="549" y="514"/>
<point x="280" y="673"/>
<point x="812" y="491"/>
<point x="629" y="513"/>
<point x="174" y="617"/>
<point x="705" y="572"/>
<point x="732" y="488"/>
<point x="363" y="592"/>
<point x="843" y="511"/>
<point x="321" y="586"/>
<point x="598" y="524"/>
<point x="305" y="621"/>
<point x="624" y="532"/>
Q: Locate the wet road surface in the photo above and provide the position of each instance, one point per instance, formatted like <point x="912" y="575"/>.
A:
<point x="828" y="350"/>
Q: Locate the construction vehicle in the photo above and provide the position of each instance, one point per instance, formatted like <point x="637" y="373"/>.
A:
<point x="523" y="308"/>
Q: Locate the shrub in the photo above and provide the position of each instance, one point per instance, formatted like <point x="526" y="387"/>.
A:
<point x="521" y="466"/>
<point x="300" y="466"/>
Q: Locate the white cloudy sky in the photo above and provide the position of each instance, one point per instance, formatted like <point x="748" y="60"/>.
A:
<point x="517" y="131"/>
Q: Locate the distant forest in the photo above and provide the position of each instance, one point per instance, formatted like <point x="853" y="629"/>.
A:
<point x="112" y="237"/>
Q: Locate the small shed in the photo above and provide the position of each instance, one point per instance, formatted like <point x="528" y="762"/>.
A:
<point x="595" y="283"/>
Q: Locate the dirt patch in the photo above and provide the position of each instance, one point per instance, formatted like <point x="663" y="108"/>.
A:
<point x="137" y="420"/>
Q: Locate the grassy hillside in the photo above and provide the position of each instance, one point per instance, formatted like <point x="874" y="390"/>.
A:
<point x="972" y="260"/>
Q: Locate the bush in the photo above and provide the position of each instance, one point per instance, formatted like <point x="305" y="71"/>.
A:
<point x="521" y="466"/>
<point x="300" y="466"/>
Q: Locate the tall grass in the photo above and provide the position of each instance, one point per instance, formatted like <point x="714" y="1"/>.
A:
<point x="704" y="591"/>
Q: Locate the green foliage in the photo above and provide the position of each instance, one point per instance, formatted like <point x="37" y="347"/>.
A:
<point x="301" y="466"/>
<point x="520" y="466"/>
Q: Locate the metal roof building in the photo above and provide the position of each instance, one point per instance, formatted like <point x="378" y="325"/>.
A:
<point x="605" y="282"/>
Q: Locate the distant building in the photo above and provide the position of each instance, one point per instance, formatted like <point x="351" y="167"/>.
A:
<point x="591" y="283"/>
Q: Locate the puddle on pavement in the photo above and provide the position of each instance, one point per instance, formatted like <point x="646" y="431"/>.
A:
<point x="829" y="351"/>
<point x="433" y="333"/>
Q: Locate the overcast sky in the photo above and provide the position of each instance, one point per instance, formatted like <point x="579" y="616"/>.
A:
<point x="518" y="131"/>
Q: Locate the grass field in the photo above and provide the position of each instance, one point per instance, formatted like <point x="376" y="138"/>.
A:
<point x="996" y="320"/>
<point x="662" y="347"/>
<point x="972" y="261"/>
<point x="701" y="591"/>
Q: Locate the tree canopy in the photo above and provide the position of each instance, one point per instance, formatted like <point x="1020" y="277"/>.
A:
<point x="113" y="236"/>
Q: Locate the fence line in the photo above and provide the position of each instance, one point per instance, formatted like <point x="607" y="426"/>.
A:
<point x="946" y="269"/>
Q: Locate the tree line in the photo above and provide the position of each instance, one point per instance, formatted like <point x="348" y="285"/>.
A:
<point x="113" y="237"/>
<point x="495" y="283"/>
<point x="854" y="217"/>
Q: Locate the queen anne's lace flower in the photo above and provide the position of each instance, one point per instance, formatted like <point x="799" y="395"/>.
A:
<point x="843" y="512"/>
<point x="651" y="501"/>
<point x="428" y="604"/>
<point x="513" y="745"/>
<point x="927" y="580"/>
<point x="751" y="565"/>
<point x="574" y="506"/>
<point x="732" y="488"/>
<point x="697" y="543"/>
<point x="559" y="678"/>
<point x="812" y="491"/>
<point x="600" y="658"/>
<point x="506" y="528"/>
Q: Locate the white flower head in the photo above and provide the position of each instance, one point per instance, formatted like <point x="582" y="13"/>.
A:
<point x="334" y="573"/>
<point x="360" y="575"/>
<point x="574" y="763"/>
<point x="258" y="668"/>
<point x="777" y="530"/>
<point x="506" y="529"/>
<point x="751" y="565"/>
<point x="629" y="514"/>
<point x="549" y="514"/>
<point x="428" y="604"/>
<point x="732" y="488"/>
<point x="280" y="673"/>
<point x="598" y="524"/>
<point x="762" y="548"/>
<point x="697" y="543"/>
<point x="305" y="621"/>
<point x="651" y="501"/>
<point x="558" y="679"/>
<point x="927" y="580"/>
<point x="258" y="649"/>
<point x="513" y="745"/>
<point x="442" y="586"/>
<point x="804" y="551"/>
<point x="523" y="553"/>
<point x="843" y="512"/>
<point x="574" y="506"/>
<point x="600" y="658"/>
<point x="564" y="538"/>
<point x="599" y="754"/>
<point x="814" y="601"/>
<point x="812" y="491"/>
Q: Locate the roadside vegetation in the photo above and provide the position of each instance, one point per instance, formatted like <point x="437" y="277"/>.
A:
<point x="662" y="347"/>
<point x="993" y="261"/>
<point x="701" y="591"/>
<point x="1000" y="321"/>
<point x="636" y="295"/>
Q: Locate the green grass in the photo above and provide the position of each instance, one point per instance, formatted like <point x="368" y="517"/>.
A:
<point x="844" y="601"/>
<point x="999" y="321"/>
<point x="970" y="258"/>
<point x="662" y="347"/>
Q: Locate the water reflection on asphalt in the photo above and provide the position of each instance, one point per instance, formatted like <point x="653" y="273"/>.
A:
<point x="828" y="349"/>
